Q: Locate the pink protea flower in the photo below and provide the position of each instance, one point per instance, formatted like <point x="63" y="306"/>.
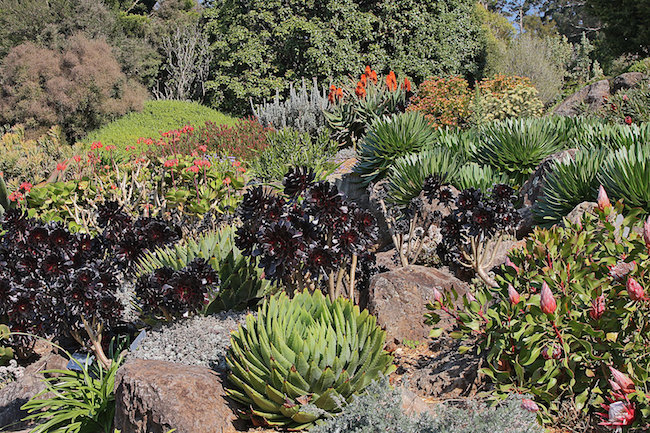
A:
<point x="597" y="307"/>
<point x="634" y="289"/>
<point x="628" y="120"/>
<point x="547" y="301"/>
<point x="619" y="413"/>
<point x="603" y="200"/>
<point x="620" y="381"/>
<point x="513" y="295"/>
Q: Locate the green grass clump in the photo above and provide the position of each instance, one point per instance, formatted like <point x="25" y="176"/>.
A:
<point x="155" y="117"/>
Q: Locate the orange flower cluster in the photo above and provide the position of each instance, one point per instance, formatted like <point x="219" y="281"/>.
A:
<point x="335" y="94"/>
<point x="443" y="101"/>
<point x="369" y="74"/>
<point x="391" y="81"/>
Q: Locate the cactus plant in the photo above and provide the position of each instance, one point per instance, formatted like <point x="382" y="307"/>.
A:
<point x="303" y="359"/>
<point x="240" y="280"/>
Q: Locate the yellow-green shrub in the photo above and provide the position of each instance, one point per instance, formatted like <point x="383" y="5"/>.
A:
<point x="504" y="97"/>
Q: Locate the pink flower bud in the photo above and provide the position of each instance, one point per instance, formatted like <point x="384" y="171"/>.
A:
<point x="646" y="232"/>
<point x="555" y="352"/>
<point x="513" y="295"/>
<point x="597" y="307"/>
<point x="437" y="296"/>
<point x="603" y="200"/>
<point x="620" y="381"/>
<point x="529" y="405"/>
<point x="547" y="302"/>
<point x="634" y="289"/>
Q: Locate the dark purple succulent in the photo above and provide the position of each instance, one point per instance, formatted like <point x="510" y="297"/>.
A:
<point x="297" y="180"/>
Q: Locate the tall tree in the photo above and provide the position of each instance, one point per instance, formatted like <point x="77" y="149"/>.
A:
<point x="626" y="24"/>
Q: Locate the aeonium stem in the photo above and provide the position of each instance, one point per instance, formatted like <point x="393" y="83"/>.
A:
<point x="96" y="342"/>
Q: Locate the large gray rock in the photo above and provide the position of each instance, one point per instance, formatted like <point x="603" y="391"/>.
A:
<point x="19" y="392"/>
<point x="627" y="80"/>
<point x="592" y="96"/>
<point x="575" y="216"/>
<point x="157" y="396"/>
<point x="398" y="299"/>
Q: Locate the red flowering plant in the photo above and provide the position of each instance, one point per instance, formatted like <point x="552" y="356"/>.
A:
<point x="570" y="306"/>
<point x="629" y="107"/>
<point x="443" y="101"/>
<point x="191" y="184"/>
<point x="360" y="102"/>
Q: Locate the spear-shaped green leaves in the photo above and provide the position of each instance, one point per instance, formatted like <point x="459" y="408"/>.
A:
<point x="302" y="359"/>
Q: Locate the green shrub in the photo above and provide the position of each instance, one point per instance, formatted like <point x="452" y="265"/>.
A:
<point x="289" y="148"/>
<point x="568" y="184"/>
<point x="302" y="359"/>
<point x="407" y="174"/>
<point x="379" y="409"/>
<point x="240" y="280"/>
<point x="155" y="117"/>
<point x="504" y="97"/>
<point x="517" y="146"/>
<point x="625" y="174"/>
<point x="569" y="306"/>
<point x="390" y="138"/>
<point x="263" y="46"/>
<point x="5" y="352"/>
<point x="642" y="66"/>
<point x="25" y="160"/>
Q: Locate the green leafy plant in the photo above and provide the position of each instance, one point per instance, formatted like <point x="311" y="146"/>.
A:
<point x="473" y="175"/>
<point x="612" y="136"/>
<point x="5" y="201"/>
<point x="302" y="359"/>
<point x="568" y="184"/>
<point x="5" y="352"/>
<point x="625" y="175"/>
<point x="408" y="173"/>
<point x="390" y="138"/>
<point x="289" y="148"/>
<point x="357" y="106"/>
<point x="629" y="106"/>
<point x="517" y="146"/>
<point x="76" y="401"/>
<point x="569" y="307"/>
<point x="240" y="280"/>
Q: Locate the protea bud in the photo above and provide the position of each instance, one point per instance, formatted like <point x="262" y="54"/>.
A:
<point x="437" y="296"/>
<point x="547" y="302"/>
<point x="620" y="381"/>
<point x="512" y="265"/>
<point x="603" y="200"/>
<point x="634" y="289"/>
<point x="646" y="233"/>
<point x="513" y="295"/>
<point x="620" y="413"/>
<point x="529" y="405"/>
<point x="597" y="307"/>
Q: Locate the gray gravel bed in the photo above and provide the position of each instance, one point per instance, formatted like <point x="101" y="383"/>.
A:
<point x="197" y="340"/>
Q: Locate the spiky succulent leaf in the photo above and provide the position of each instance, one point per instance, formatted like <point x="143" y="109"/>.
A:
<point x="625" y="175"/>
<point x="473" y="175"/>
<point x="241" y="280"/>
<point x="301" y="359"/>
<point x="390" y="138"/>
<point x="568" y="184"/>
<point x="517" y="146"/>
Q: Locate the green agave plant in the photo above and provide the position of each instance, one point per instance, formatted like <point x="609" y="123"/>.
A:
<point x="473" y="175"/>
<point x="390" y="138"/>
<point x="610" y="136"/>
<point x="568" y="184"/>
<point x="407" y="175"/>
<point x="303" y="359"/>
<point x="625" y="175"/>
<point x="517" y="146"/>
<point x="241" y="280"/>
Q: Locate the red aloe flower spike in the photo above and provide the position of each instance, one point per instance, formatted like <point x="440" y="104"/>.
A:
<point x="547" y="301"/>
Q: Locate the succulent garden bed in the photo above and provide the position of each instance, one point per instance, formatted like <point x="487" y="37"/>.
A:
<point x="386" y="258"/>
